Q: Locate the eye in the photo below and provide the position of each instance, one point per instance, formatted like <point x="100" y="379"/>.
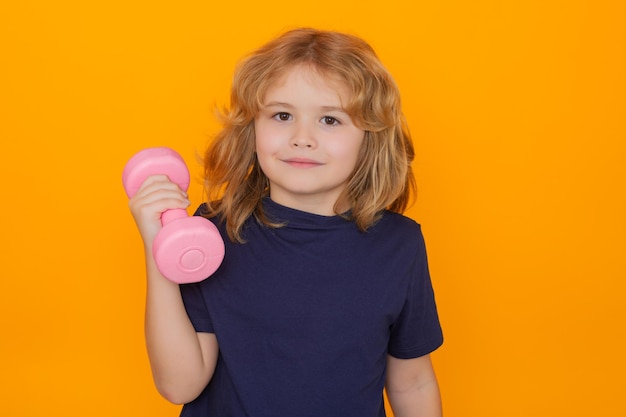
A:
<point x="329" y="120"/>
<point x="282" y="116"/>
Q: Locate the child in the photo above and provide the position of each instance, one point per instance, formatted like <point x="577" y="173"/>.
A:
<point x="324" y="296"/>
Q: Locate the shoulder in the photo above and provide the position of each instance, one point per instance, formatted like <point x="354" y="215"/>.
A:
<point x="398" y="236"/>
<point x="398" y="225"/>
<point x="204" y="210"/>
<point x="396" y="218"/>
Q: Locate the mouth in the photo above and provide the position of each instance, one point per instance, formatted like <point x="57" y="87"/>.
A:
<point x="302" y="162"/>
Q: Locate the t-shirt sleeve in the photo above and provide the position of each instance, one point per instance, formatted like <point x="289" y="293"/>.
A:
<point x="195" y="306"/>
<point x="417" y="330"/>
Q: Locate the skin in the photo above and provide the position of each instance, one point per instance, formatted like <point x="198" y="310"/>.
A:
<point x="306" y="144"/>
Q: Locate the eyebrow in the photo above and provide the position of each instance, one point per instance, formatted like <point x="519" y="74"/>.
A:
<point x="291" y="106"/>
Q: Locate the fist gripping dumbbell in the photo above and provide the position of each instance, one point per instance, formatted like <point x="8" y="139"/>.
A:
<point x="187" y="249"/>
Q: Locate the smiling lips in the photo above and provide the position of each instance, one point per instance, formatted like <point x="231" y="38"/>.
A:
<point x="302" y="162"/>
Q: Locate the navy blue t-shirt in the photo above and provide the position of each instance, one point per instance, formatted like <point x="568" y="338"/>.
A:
<point x="306" y="314"/>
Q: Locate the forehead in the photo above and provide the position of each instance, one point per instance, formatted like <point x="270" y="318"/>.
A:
<point x="308" y="77"/>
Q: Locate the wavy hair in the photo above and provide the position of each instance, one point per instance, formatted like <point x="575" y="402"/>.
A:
<point x="382" y="179"/>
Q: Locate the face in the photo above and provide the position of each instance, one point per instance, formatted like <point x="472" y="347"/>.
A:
<point x="306" y="143"/>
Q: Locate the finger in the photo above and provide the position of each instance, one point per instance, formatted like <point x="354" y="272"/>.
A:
<point x="152" y="204"/>
<point x="159" y="181"/>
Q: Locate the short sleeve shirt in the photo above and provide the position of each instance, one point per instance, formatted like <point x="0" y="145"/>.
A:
<point x="306" y="314"/>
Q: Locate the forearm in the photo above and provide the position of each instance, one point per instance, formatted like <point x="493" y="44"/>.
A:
<point x="181" y="365"/>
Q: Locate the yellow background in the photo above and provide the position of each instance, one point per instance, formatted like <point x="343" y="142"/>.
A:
<point x="517" y="108"/>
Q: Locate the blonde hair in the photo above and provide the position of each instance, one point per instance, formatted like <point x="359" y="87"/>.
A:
<point x="383" y="179"/>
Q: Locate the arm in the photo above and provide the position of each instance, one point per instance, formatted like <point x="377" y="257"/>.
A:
<point x="182" y="360"/>
<point x="412" y="387"/>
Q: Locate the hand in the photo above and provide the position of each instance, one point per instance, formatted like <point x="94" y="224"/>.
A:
<point x="156" y="195"/>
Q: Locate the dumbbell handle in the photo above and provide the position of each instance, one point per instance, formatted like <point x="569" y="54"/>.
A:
<point x="170" y="215"/>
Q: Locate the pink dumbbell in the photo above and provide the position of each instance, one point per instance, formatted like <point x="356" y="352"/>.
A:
<point x="187" y="249"/>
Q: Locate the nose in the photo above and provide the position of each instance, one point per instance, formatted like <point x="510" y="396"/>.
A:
<point x="303" y="136"/>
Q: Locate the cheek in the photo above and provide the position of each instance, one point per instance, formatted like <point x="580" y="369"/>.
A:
<point x="260" y="137"/>
<point x="265" y="148"/>
<point x="265" y="137"/>
<point x="349" y="148"/>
